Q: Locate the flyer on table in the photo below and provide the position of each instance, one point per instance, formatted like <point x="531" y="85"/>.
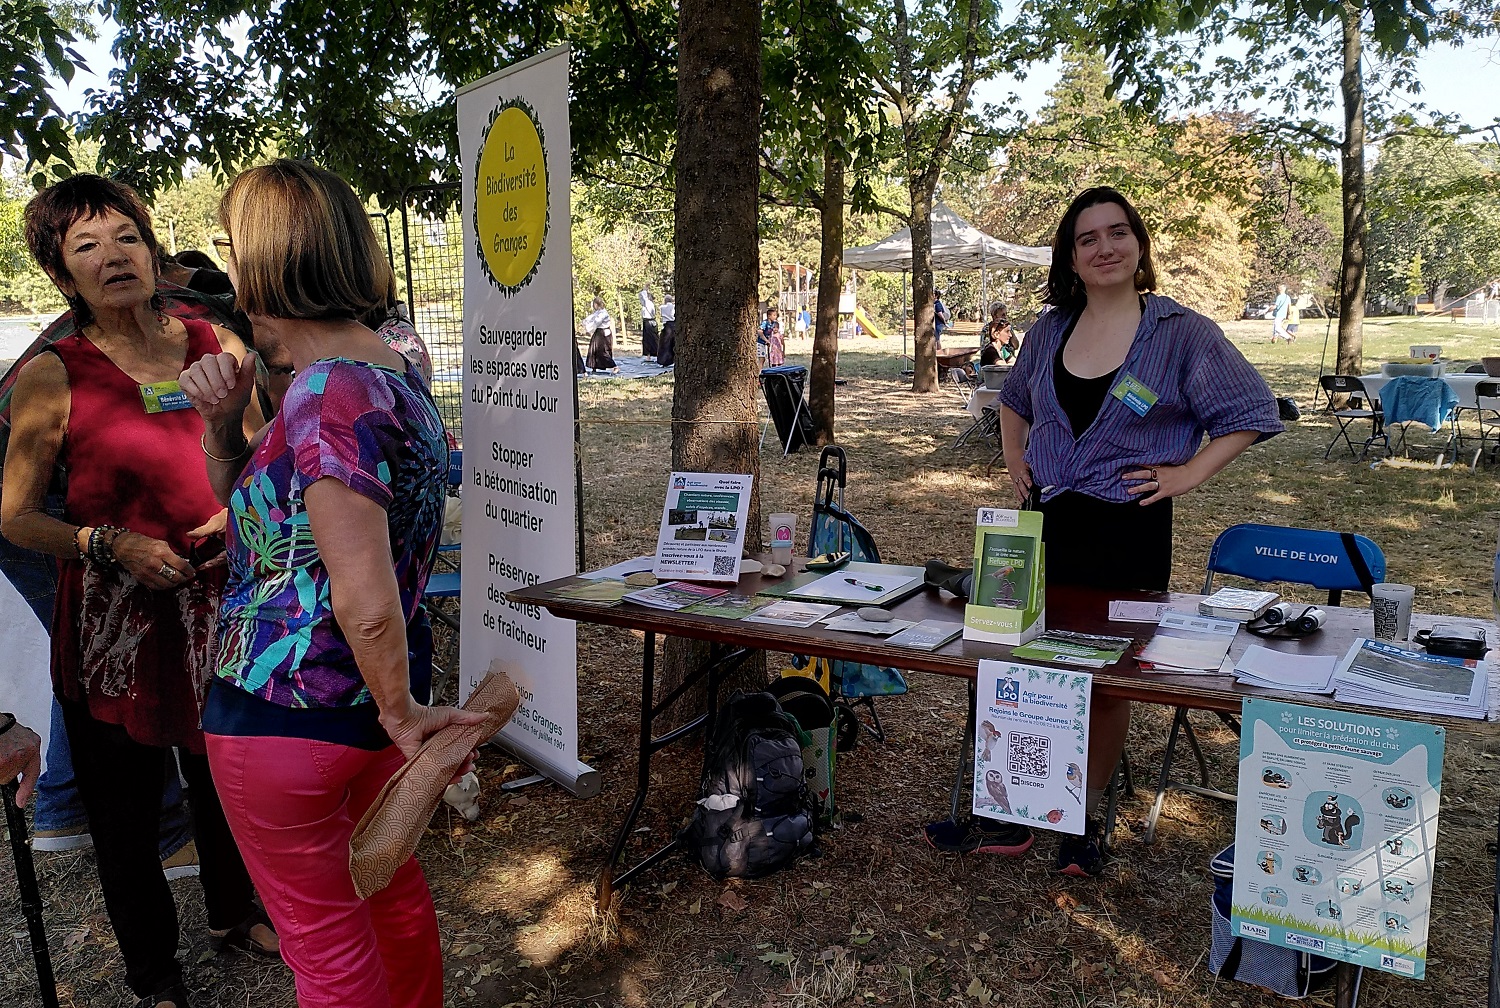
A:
<point x="702" y="533"/>
<point x="1336" y="833"/>
<point x="1031" y="745"/>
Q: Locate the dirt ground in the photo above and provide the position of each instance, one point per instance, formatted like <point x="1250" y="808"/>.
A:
<point x="878" y="917"/>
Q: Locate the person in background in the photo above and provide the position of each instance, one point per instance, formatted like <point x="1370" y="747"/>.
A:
<point x="804" y="322"/>
<point x="1293" y="315"/>
<point x="648" y="326"/>
<point x="599" y="329"/>
<point x="939" y="320"/>
<point x="133" y="626"/>
<point x="336" y="508"/>
<point x="193" y="270"/>
<point x="769" y="339"/>
<point x="1000" y="343"/>
<point x="20" y="757"/>
<point x="1279" y="312"/>
<point x="1102" y="423"/>
<point x="666" y="347"/>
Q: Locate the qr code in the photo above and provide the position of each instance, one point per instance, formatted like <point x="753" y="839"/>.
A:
<point x="724" y="565"/>
<point x="1029" y="755"/>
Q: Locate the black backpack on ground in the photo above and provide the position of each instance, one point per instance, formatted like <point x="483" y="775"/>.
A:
<point x="755" y="813"/>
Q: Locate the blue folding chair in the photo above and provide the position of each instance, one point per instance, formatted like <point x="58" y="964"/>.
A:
<point x="1335" y="562"/>
<point x="443" y="583"/>
<point x="852" y="685"/>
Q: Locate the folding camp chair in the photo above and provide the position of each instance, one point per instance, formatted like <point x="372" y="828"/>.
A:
<point x="1355" y="412"/>
<point x="853" y="685"/>
<point x="1333" y="561"/>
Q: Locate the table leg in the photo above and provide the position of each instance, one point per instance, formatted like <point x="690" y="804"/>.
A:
<point x="31" y="896"/>
<point x="965" y="752"/>
<point x="1346" y="979"/>
<point x="1495" y="933"/>
<point x="642" y="775"/>
<point x="720" y="663"/>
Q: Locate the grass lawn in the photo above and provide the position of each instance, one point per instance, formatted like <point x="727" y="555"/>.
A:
<point x="879" y="918"/>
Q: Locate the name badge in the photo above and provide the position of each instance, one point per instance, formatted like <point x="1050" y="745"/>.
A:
<point x="164" y="397"/>
<point x="1132" y="393"/>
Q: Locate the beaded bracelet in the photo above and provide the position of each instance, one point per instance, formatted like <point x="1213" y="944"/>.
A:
<point x="82" y="553"/>
<point x="101" y="550"/>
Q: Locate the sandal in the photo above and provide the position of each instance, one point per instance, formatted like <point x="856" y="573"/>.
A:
<point x="241" y="936"/>
<point x="175" y="995"/>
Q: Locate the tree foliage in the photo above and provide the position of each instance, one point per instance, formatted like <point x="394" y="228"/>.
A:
<point x="34" y="43"/>
<point x="1436" y="204"/>
<point x="1191" y="179"/>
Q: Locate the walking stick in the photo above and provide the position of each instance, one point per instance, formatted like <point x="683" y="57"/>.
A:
<point x="31" y="896"/>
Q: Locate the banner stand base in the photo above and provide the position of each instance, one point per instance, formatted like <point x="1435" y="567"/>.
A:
<point x="522" y="782"/>
<point x="580" y="780"/>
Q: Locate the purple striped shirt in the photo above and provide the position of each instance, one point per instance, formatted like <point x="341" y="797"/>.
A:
<point x="1203" y="384"/>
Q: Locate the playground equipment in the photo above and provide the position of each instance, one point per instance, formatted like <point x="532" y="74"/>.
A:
<point x="799" y="293"/>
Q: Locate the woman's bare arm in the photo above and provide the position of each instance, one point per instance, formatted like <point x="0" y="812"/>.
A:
<point x="354" y="542"/>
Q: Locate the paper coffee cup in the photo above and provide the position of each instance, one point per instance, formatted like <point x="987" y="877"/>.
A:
<point x="1392" y="607"/>
<point x="783" y="531"/>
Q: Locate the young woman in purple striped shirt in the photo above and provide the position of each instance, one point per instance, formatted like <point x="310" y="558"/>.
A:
<point x="1103" y="421"/>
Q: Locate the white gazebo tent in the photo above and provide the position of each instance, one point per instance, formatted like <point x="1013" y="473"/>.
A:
<point x="956" y="245"/>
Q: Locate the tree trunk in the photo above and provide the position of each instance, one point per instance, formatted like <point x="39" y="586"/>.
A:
<point x="717" y="261"/>
<point x="924" y="351"/>
<point x="1356" y="234"/>
<point x="820" y="397"/>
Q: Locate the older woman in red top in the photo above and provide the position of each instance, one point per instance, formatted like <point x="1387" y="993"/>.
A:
<point x="138" y="592"/>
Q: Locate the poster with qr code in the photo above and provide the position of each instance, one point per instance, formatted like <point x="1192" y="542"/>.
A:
<point x="1031" y="745"/>
<point x="702" y="536"/>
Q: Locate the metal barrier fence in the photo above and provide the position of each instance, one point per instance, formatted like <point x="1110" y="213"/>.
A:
<point x="433" y="254"/>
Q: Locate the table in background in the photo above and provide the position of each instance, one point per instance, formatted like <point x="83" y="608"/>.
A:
<point x="1461" y="384"/>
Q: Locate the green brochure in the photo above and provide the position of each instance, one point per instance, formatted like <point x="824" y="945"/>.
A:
<point x="1008" y="593"/>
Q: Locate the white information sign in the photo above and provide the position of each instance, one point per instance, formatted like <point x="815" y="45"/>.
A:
<point x="1031" y="745"/>
<point x="702" y="536"/>
<point x="520" y="402"/>
<point x="1336" y="833"/>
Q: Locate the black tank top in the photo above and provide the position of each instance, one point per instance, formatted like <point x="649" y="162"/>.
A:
<point x="1080" y="398"/>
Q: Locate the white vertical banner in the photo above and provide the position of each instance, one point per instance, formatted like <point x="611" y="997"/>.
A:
<point x="519" y="407"/>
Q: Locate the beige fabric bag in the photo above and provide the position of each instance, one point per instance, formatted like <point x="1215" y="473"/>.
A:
<point x="392" y="826"/>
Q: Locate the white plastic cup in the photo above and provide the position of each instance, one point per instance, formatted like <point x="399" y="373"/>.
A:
<point x="783" y="532"/>
<point x="1392" y="605"/>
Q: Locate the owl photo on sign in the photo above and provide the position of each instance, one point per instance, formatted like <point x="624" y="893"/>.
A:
<point x="994" y="783"/>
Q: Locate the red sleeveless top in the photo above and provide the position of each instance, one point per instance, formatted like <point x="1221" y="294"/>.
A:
<point x="137" y="657"/>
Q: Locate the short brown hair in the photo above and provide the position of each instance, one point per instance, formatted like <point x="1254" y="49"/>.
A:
<point x="58" y="207"/>
<point x="1064" y="288"/>
<point x="302" y="245"/>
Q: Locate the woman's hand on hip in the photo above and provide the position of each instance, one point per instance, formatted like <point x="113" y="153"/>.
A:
<point x="1020" y="479"/>
<point x="1153" y="483"/>
<point x="418" y="723"/>
<point x="219" y="387"/>
<point x="151" y="562"/>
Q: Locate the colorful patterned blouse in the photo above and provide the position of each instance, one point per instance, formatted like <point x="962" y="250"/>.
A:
<point x="374" y="430"/>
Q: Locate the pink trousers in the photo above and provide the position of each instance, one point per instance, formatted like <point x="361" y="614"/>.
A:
<point x="292" y="805"/>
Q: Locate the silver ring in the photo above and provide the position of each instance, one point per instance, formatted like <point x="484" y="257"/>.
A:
<point x="167" y="571"/>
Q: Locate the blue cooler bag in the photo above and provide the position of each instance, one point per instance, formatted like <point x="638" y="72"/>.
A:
<point x="1289" y="973"/>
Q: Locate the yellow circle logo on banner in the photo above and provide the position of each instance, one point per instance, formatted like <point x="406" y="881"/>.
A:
<point x="510" y="196"/>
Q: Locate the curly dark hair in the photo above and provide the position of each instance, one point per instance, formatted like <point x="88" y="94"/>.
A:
<point x="55" y="209"/>
<point x="1064" y="288"/>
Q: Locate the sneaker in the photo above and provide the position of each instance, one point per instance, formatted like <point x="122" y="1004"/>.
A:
<point x="183" y="864"/>
<point x="76" y="838"/>
<point x="976" y="834"/>
<point x="1082" y="856"/>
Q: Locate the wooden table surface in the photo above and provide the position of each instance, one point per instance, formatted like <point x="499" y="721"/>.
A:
<point x="1083" y="610"/>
